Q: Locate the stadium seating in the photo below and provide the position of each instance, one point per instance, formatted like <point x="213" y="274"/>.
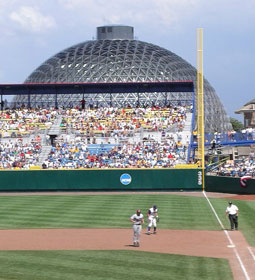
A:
<point x="94" y="138"/>
<point x="237" y="168"/>
<point x="23" y="122"/>
<point x="148" y="153"/>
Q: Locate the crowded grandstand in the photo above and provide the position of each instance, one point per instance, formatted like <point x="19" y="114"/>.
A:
<point x="95" y="137"/>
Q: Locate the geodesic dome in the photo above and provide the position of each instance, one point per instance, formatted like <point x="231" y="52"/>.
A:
<point x="123" y="60"/>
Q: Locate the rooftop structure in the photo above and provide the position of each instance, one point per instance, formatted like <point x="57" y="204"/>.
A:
<point x="248" y="111"/>
<point x="117" y="57"/>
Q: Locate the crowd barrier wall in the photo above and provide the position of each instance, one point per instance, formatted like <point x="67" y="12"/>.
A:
<point x="224" y="184"/>
<point x="102" y="180"/>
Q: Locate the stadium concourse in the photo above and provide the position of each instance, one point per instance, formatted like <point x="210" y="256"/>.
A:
<point x="103" y="137"/>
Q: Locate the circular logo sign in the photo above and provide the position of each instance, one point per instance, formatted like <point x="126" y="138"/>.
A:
<point x="125" y="179"/>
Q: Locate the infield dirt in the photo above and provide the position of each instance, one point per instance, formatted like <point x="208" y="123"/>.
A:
<point x="183" y="242"/>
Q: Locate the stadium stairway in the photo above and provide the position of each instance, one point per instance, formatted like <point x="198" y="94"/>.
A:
<point x="44" y="154"/>
<point x="46" y="148"/>
<point x="55" y="128"/>
<point x="186" y="133"/>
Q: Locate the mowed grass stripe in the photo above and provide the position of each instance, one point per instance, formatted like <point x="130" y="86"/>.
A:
<point x="103" y="211"/>
<point x="246" y="216"/>
<point x="76" y="265"/>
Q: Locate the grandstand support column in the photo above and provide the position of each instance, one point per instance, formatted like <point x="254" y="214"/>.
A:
<point x="2" y="103"/>
<point x="29" y="99"/>
<point x="56" y="99"/>
<point x="200" y="104"/>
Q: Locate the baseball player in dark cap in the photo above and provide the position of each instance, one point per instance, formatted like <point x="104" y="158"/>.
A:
<point x="232" y="213"/>
<point x="152" y="215"/>
<point x="137" y="220"/>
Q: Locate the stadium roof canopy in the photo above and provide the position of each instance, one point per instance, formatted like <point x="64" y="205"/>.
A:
<point x="86" y="88"/>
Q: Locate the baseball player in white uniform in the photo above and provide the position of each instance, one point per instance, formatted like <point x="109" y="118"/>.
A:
<point x="137" y="220"/>
<point x="152" y="215"/>
<point x="232" y="213"/>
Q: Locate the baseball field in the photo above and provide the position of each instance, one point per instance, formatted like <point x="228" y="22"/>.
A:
<point x="89" y="236"/>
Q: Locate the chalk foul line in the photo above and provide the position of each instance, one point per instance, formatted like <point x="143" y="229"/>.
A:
<point x="229" y="239"/>
<point x="251" y="253"/>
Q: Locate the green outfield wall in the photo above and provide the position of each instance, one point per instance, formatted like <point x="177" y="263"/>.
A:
<point x="102" y="180"/>
<point x="228" y="185"/>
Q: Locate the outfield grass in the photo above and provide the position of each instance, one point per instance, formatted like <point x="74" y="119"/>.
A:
<point x="246" y="216"/>
<point x="103" y="211"/>
<point x="96" y="265"/>
<point x="113" y="211"/>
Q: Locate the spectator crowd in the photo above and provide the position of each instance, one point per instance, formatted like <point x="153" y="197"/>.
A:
<point x="124" y="121"/>
<point x="15" y="154"/>
<point x="24" y="121"/>
<point x="238" y="168"/>
<point x="75" y="152"/>
<point x="144" y="154"/>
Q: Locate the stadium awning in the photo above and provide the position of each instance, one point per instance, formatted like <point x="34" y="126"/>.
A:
<point x="119" y="87"/>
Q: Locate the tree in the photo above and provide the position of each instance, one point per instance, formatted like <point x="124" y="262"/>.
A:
<point x="237" y="125"/>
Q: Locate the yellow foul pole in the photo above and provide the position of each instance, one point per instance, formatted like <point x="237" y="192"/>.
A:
<point x="200" y="104"/>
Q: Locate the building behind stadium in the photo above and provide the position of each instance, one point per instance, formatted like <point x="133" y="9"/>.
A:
<point x="115" y="56"/>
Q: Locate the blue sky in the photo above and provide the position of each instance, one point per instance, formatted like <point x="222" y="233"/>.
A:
<point x="33" y="30"/>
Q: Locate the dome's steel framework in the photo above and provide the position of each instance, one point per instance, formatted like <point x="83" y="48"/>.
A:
<point x="121" y="60"/>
